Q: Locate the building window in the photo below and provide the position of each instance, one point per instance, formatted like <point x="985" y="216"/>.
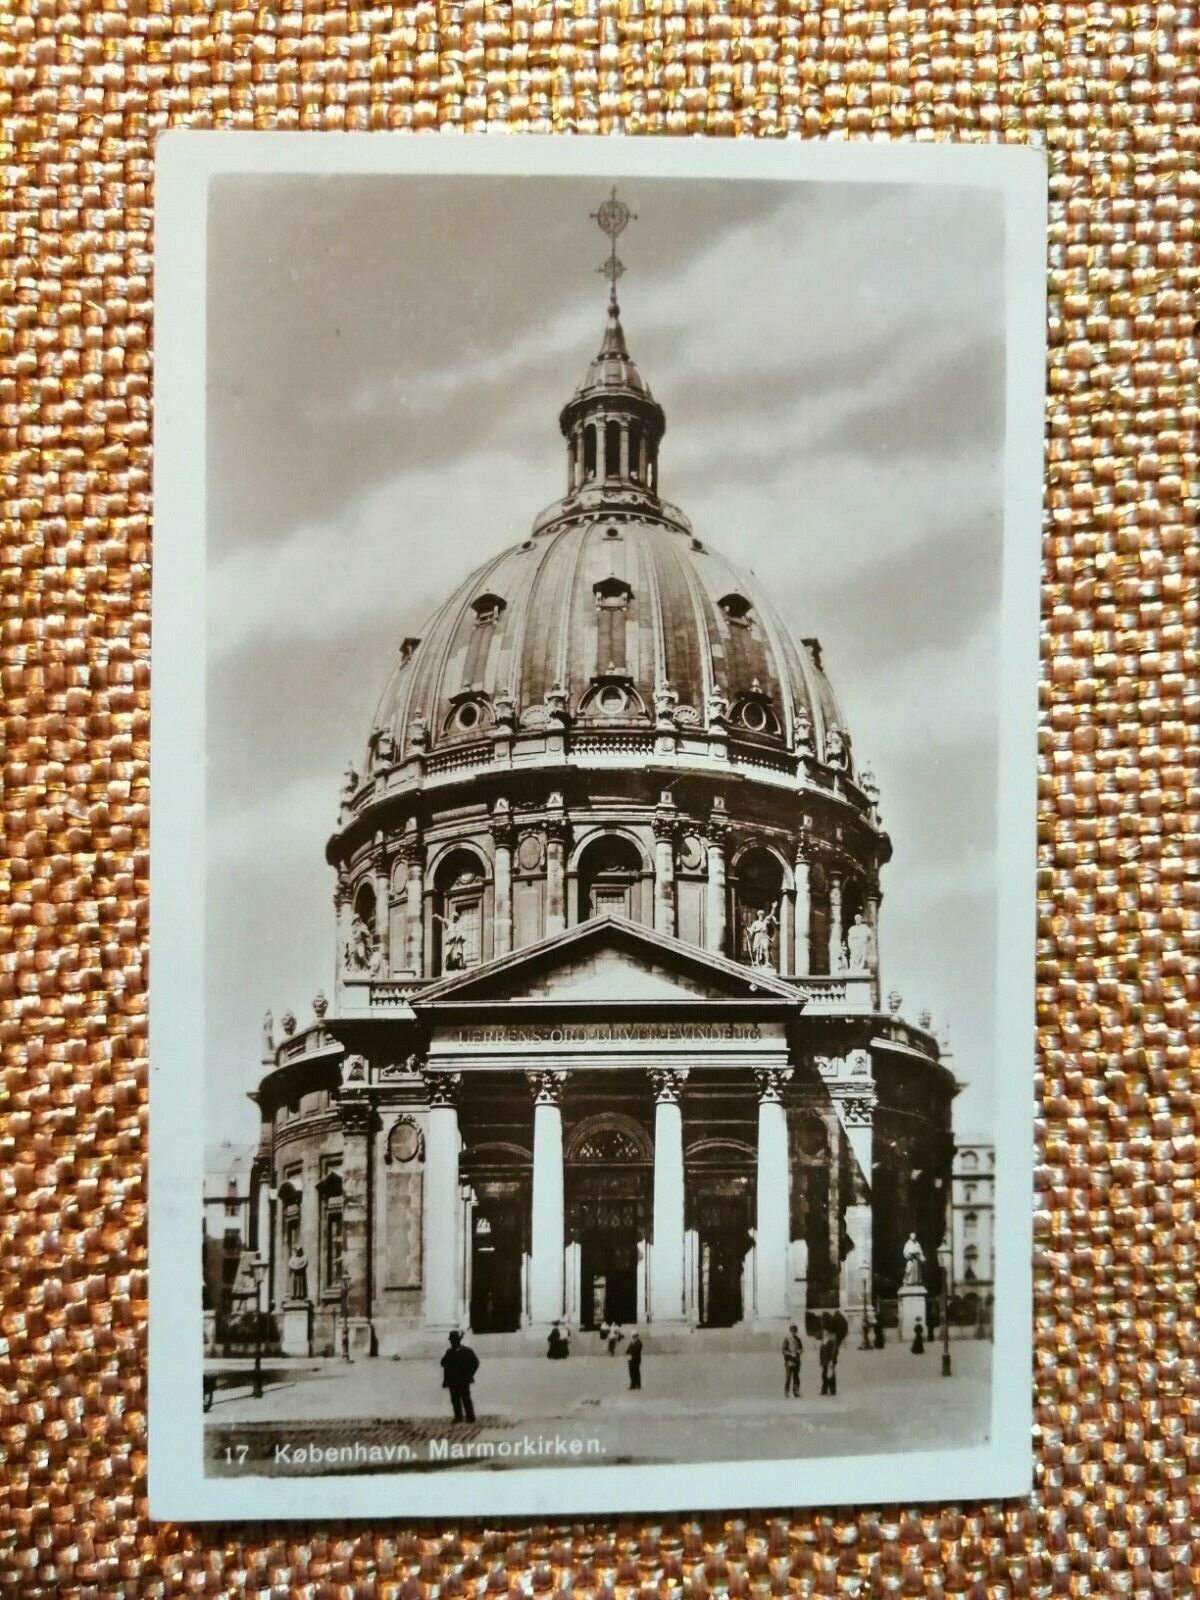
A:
<point x="589" y="451"/>
<point x="969" y="1193"/>
<point x="610" y="878"/>
<point x="970" y="1223"/>
<point x="612" y="450"/>
<point x="612" y="610"/>
<point x="736" y="607"/>
<point x="330" y="1191"/>
<point x="458" y="913"/>
<point x="970" y="1258"/>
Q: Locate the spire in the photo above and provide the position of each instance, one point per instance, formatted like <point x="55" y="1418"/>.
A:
<point x="613" y="424"/>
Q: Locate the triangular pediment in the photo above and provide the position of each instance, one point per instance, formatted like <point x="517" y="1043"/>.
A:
<point x="605" y="960"/>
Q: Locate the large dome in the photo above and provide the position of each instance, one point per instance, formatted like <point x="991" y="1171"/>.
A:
<point x="612" y="617"/>
<point x="597" y="614"/>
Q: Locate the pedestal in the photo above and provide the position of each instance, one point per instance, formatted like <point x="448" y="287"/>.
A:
<point x="913" y="1309"/>
<point x="296" y="1328"/>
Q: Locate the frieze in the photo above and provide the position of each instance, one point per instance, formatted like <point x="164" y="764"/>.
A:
<point x="614" y="1033"/>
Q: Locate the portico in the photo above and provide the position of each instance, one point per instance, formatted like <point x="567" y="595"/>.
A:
<point x="616" y="1145"/>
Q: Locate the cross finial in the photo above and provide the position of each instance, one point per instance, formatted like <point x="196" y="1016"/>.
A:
<point x="613" y="217"/>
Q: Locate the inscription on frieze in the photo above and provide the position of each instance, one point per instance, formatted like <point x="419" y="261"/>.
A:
<point x="613" y="1033"/>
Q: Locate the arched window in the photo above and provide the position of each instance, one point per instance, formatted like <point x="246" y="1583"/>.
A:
<point x="635" y="451"/>
<point x="971" y="1259"/>
<point x="612" y="449"/>
<point x="969" y="1193"/>
<point x="610" y="873"/>
<point x="757" y="890"/>
<point x="362" y="947"/>
<point x="589" y="452"/>
<point x="970" y="1223"/>
<point x="457" y="913"/>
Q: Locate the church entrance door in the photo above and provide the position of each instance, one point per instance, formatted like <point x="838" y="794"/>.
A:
<point x="720" y="1188"/>
<point x="609" y="1263"/>
<point x="498" y="1228"/>
<point x="608" y="1208"/>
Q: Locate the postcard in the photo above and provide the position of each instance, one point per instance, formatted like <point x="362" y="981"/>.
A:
<point x="593" y="823"/>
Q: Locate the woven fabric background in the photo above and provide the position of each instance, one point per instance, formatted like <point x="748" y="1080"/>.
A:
<point x="1111" y="92"/>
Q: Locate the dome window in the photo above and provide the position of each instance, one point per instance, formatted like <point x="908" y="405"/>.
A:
<point x="470" y="714"/>
<point x="612" y="606"/>
<point x="755" y="713"/>
<point x="488" y="608"/>
<point x="736" y="607"/>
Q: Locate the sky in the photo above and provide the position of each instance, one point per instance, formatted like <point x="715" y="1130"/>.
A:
<point x="387" y="357"/>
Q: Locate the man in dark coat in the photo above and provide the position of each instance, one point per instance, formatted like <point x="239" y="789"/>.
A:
<point x="634" y="1357"/>
<point x="840" y="1327"/>
<point x="459" y="1366"/>
<point x="829" y="1355"/>
<point x="793" y="1349"/>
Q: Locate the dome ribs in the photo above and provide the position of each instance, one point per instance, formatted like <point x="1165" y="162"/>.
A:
<point x="682" y="664"/>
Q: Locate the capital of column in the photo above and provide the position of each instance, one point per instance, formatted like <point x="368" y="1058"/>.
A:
<point x="546" y="1085"/>
<point x="356" y="1113"/>
<point x="504" y="830"/>
<point x="411" y="850"/>
<point x="668" y="1083"/>
<point x="666" y="825"/>
<point x="558" y="830"/>
<point x="856" y="1102"/>
<point x="442" y="1087"/>
<point x="771" y="1082"/>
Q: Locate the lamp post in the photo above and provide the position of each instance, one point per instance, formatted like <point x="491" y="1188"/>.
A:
<point x="944" y="1264"/>
<point x="258" y="1271"/>
<point x="344" y="1286"/>
<point x="866" y="1311"/>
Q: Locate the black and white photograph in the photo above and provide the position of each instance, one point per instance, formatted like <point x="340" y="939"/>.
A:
<point x="593" y="858"/>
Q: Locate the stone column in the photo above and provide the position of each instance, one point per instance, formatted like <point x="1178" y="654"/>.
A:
<point x="787" y="911"/>
<point x="803" y="916"/>
<point x="571" y="464"/>
<point x="502" y="931"/>
<point x="772" y="1198"/>
<point x="556" y="886"/>
<point x="383" y="911"/>
<point x="854" y="1103"/>
<point x="441" y="1201"/>
<point x="414" y="858"/>
<point x="258" y="1219"/>
<point x="714" y="914"/>
<point x="357" y="1117"/>
<point x="642" y="459"/>
<point x="624" y="450"/>
<point x="667" y="1258"/>
<point x="547" y="1284"/>
<point x="871" y="910"/>
<point x="665" y="822"/>
<point x="836" y="953"/>
<point x="601" y="450"/>
<point x="344" y="912"/>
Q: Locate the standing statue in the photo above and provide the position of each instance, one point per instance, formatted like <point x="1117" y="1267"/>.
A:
<point x="914" y="1263"/>
<point x="298" y="1267"/>
<point x="802" y="732"/>
<point x="454" y="942"/>
<point x="268" y="1040"/>
<point x="759" y="935"/>
<point x="359" y="947"/>
<point x="860" y="944"/>
<point x="835" y="747"/>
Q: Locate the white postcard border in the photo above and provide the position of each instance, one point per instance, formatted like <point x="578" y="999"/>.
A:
<point x="179" y="1490"/>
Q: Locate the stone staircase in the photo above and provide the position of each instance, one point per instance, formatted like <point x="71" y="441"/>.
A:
<point x="423" y="1343"/>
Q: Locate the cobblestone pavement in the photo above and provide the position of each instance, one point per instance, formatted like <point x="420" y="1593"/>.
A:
<point x="393" y="1415"/>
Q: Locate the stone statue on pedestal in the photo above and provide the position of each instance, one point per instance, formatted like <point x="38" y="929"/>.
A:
<point x="298" y="1268"/>
<point x="860" y="945"/>
<point x="759" y="935"/>
<point x="914" y="1263"/>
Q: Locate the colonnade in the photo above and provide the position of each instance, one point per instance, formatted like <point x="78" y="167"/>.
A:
<point x="548" y="1289"/>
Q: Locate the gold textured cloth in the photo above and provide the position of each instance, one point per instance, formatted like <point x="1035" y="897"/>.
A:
<point x="1111" y="92"/>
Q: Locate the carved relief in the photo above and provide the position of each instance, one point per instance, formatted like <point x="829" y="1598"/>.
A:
<point x="442" y="1088"/>
<point x="405" y="1142"/>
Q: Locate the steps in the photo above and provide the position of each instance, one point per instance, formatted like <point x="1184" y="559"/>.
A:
<point x="423" y="1343"/>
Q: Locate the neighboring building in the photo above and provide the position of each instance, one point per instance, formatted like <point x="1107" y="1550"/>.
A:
<point x="606" y="1036"/>
<point x="972" y="1234"/>
<point x="227" y="1223"/>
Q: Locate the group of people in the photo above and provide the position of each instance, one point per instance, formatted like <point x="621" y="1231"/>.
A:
<point x="834" y="1329"/>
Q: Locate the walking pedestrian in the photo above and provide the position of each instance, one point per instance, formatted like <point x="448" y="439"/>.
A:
<point x="459" y="1366"/>
<point x="837" y="1322"/>
<point x="615" y="1337"/>
<point x="634" y="1357"/>
<point x="829" y="1355"/>
<point x="558" y="1346"/>
<point x="918" y="1345"/>
<point x="793" y="1349"/>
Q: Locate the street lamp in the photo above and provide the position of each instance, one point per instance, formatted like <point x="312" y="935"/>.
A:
<point x="258" y="1271"/>
<point x="344" y="1287"/>
<point x="944" y="1259"/>
<point x="866" y="1310"/>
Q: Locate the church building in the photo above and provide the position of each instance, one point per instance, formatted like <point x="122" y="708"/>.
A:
<point x="606" y="1036"/>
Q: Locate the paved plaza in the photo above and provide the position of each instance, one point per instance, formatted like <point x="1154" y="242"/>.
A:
<point x="694" y="1406"/>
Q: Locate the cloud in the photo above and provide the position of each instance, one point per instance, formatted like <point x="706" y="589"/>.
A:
<point x="387" y="359"/>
